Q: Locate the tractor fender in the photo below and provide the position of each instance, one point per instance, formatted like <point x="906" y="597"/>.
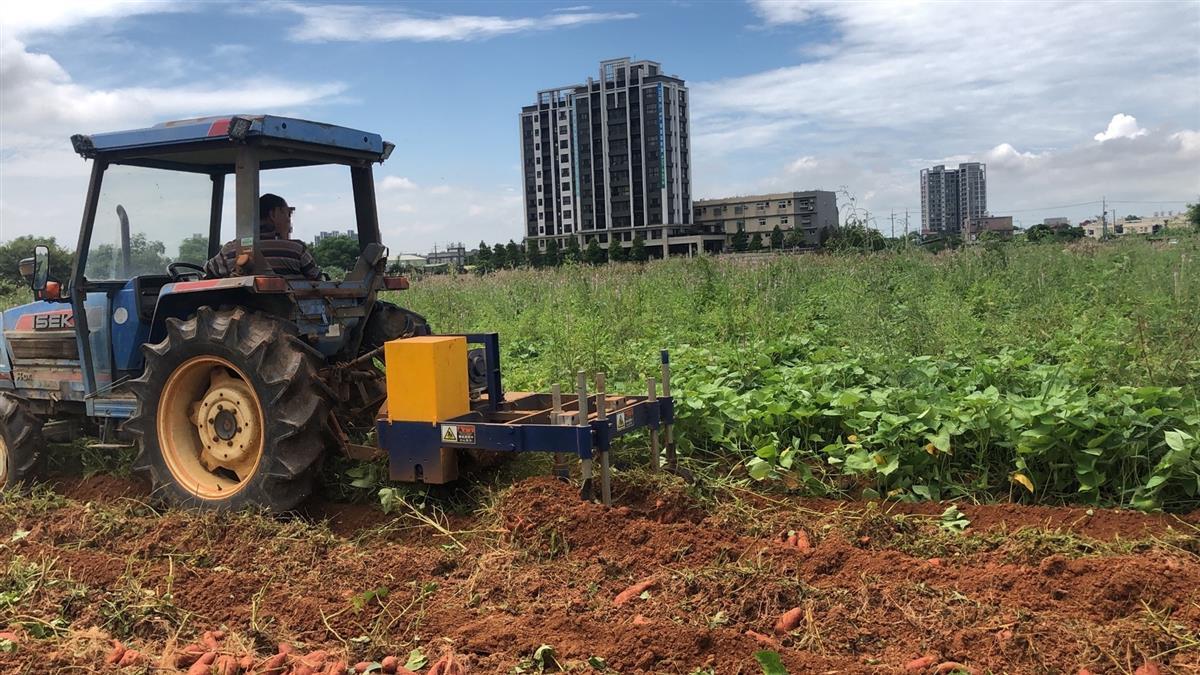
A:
<point x="183" y="305"/>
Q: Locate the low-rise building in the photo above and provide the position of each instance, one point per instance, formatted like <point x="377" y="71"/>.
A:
<point x="452" y="254"/>
<point x="998" y="226"/>
<point x="806" y="213"/>
<point x="1057" y="223"/>
<point x="1134" y="225"/>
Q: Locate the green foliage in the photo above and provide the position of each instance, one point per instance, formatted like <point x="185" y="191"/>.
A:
<point x="145" y="257"/>
<point x="739" y="242"/>
<point x="1193" y="215"/>
<point x="925" y="377"/>
<point x="756" y="243"/>
<point x="336" y="250"/>
<point x="594" y="255"/>
<point x="499" y="257"/>
<point x="194" y="249"/>
<point x="617" y="252"/>
<point x="573" y="252"/>
<point x="514" y="253"/>
<point x="533" y="255"/>
<point x="777" y="237"/>
<point x="770" y="662"/>
<point x="553" y="254"/>
<point x="794" y="238"/>
<point x="19" y="248"/>
<point x="483" y="257"/>
<point x="637" y="250"/>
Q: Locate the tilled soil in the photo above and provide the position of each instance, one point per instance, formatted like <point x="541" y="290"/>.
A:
<point x="667" y="581"/>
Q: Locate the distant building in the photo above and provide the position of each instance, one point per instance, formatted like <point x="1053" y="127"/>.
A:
<point x="806" y="212"/>
<point x="452" y="254"/>
<point x="326" y="235"/>
<point x="609" y="159"/>
<point x="949" y="197"/>
<point x="1057" y="223"/>
<point x="1136" y="225"/>
<point x="1000" y="226"/>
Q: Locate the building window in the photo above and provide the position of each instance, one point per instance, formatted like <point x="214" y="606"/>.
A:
<point x="539" y="174"/>
<point x="739" y="208"/>
<point x="539" y="202"/>
<point x="783" y="205"/>
<point x="562" y="129"/>
<point x="762" y="222"/>
<point x="538" y="160"/>
<point x="567" y="200"/>
<point x="539" y="188"/>
<point x="562" y="144"/>
<point x="566" y="172"/>
<point x="783" y="220"/>
<point x="564" y="158"/>
<point x="562" y="115"/>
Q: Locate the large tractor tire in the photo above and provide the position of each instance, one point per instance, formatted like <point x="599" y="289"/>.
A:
<point x="231" y="412"/>
<point x="389" y="322"/>
<point x="21" y="442"/>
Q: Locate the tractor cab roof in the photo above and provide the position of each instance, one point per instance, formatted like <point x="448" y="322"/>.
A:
<point x="212" y="144"/>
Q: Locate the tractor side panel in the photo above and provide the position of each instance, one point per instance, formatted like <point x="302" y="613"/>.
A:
<point x="42" y="350"/>
<point x="129" y="331"/>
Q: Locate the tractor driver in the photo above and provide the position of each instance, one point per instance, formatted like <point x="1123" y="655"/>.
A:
<point x="286" y="256"/>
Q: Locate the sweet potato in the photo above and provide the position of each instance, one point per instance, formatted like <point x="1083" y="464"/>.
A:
<point x="336" y="668"/>
<point x="918" y="665"/>
<point x="788" y="621"/>
<point x="211" y="641"/>
<point x="114" y="656"/>
<point x="765" y="640"/>
<point x="634" y="591"/>
<point x="953" y="666"/>
<point x="447" y="665"/>
<point x="203" y="665"/>
<point x="390" y="664"/>
<point x="361" y="666"/>
<point x="1147" y="668"/>
<point x="10" y="636"/>
<point x="273" y="665"/>
<point x="246" y="663"/>
<point x="226" y="664"/>
<point x="132" y="657"/>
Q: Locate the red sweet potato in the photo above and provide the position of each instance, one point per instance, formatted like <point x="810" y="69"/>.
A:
<point x="203" y="665"/>
<point x="1147" y="668"/>
<point x="953" y="666"/>
<point x="114" y="656"/>
<point x="788" y="621"/>
<point x="634" y="591"/>
<point x="132" y="657"/>
<point x="918" y="665"/>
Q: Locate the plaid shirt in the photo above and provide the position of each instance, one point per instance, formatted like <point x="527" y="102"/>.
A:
<point x="287" y="257"/>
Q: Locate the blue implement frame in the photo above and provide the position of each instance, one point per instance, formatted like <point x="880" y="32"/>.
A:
<point x="522" y="422"/>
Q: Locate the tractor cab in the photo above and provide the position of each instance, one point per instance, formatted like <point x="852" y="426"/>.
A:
<point x="164" y="200"/>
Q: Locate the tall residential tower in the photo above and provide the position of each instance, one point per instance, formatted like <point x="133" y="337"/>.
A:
<point x="951" y="197"/>
<point x="610" y="158"/>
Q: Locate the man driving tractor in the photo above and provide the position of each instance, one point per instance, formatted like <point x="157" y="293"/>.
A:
<point x="286" y="256"/>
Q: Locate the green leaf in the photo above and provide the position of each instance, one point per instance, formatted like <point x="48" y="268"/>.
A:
<point x="770" y="663"/>
<point x="758" y="469"/>
<point x="597" y="663"/>
<point x="416" y="660"/>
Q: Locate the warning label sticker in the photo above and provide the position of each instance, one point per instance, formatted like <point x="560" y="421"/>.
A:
<point x="458" y="433"/>
<point x="624" y="421"/>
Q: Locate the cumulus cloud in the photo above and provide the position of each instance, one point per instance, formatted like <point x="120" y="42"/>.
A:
<point x="885" y="89"/>
<point x="1121" y="126"/>
<point x="355" y="23"/>
<point x="805" y="163"/>
<point x="396" y="183"/>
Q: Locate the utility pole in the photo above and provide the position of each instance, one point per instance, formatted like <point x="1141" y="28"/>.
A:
<point x="1103" y="218"/>
<point x="893" y="223"/>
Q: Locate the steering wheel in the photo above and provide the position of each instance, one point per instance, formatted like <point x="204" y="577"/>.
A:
<point x="191" y="272"/>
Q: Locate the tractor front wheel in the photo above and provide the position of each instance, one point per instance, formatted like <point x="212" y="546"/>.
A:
<point x="21" y="443"/>
<point x="231" y="412"/>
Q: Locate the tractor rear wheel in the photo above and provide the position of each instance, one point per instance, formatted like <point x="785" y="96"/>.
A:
<point x="21" y="442"/>
<point x="231" y="412"/>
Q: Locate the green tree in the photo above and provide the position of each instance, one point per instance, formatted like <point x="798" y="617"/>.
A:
<point x="617" y="252"/>
<point x="515" y="253"/>
<point x="14" y="251"/>
<point x="534" y="254"/>
<point x="594" y="255"/>
<point x="483" y="257"/>
<point x="756" y="242"/>
<point x="1039" y="232"/>
<point x="145" y="257"/>
<point x="740" y="241"/>
<point x="553" y="254"/>
<point x="194" y="249"/>
<point x="1193" y="215"/>
<point x="336" y="250"/>
<point x="637" y="251"/>
<point x="499" y="257"/>
<point x="573" y="253"/>
<point x="777" y="238"/>
<point x="793" y="239"/>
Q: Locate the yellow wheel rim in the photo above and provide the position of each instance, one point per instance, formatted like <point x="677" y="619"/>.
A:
<point x="210" y="427"/>
<point x="3" y="462"/>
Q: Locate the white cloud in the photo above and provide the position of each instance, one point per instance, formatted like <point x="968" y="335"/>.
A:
<point x="805" y="163"/>
<point x="344" y="23"/>
<point x="23" y="18"/>
<point x="396" y="183"/>
<point x="1120" y="126"/>
<point x="883" y="89"/>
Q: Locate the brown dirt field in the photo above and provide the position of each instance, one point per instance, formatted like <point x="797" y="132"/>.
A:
<point x="1023" y="590"/>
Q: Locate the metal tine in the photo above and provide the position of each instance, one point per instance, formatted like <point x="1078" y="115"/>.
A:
<point x="666" y="392"/>
<point x="652" y="386"/>
<point x="605" y="468"/>
<point x="560" y="459"/>
<point x="585" y="465"/>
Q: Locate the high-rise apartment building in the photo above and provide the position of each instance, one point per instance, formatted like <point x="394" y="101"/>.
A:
<point x="949" y="197"/>
<point x="611" y="158"/>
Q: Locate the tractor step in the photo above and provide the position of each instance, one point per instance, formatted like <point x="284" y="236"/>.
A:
<point x="109" y="446"/>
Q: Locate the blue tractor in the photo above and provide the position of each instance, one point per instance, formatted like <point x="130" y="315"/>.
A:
<point x="231" y="388"/>
<point x="234" y="388"/>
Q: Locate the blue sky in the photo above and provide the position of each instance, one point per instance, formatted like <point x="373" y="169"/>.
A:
<point x="1066" y="102"/>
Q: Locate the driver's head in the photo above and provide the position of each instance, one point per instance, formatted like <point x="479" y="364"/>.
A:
<point x="274" y="217"/>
